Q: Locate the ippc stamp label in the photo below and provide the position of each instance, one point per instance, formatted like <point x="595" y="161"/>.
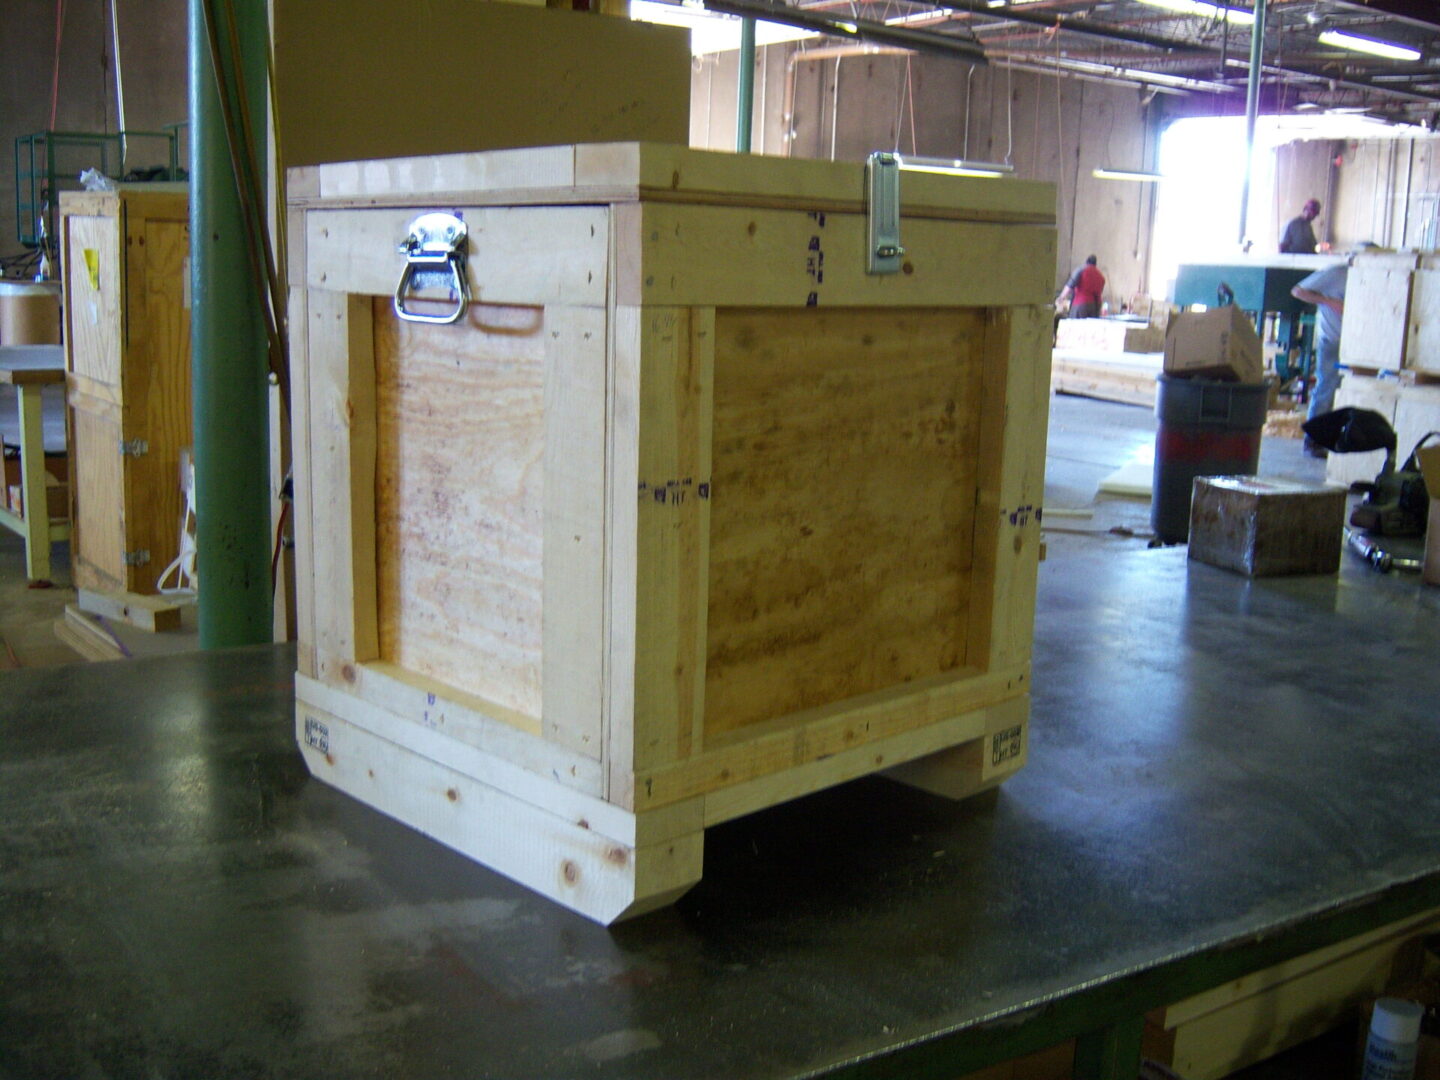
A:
<point x="1006" y="744"/>
<point x="317" y="735"/>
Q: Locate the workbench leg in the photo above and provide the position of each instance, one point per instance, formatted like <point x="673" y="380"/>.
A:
<point x="1112" y="1053"/>
<point x="32" y="485"/>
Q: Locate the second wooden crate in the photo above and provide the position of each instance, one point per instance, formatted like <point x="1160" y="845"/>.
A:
<point x="127" y="354"/>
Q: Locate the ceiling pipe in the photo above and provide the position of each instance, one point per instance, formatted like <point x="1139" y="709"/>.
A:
<point x="745" y="87"/>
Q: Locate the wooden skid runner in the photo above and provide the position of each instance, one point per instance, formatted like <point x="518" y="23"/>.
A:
<point x="580" y="851"/>
<point x="153" y="613"/>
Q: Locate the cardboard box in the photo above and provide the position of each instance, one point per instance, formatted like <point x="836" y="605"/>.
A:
<point x="1265" y="528"/>
<point x="1430" y="467"/>
<point x="1217" y="344"/>
<point x="57" y="491"/>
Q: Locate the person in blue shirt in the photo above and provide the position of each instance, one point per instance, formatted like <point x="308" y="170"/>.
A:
<point x="1326" y="290"/>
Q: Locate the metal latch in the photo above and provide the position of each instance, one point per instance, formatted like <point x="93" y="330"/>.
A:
<point x="882" y="206"/>
<point x="434" y="257"/>
<point x="133" y="447"/>
<point x="137" y="558"/>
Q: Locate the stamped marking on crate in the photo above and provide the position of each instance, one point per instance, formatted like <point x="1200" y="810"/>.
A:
<point x="317" y="735"/>
<point x="1020" y="516"/>
<point x="815" y="259"/>
<point x="1006" y="744"/>
<point x="673" y="492"/>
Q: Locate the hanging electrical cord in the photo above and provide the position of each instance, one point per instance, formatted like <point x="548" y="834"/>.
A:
<point x="287" y="496"/>
<point x="55" y="75"/>
<point x="1009" y="115"/>
<point x="239" y="137"/>
<point x="900" y="100"/>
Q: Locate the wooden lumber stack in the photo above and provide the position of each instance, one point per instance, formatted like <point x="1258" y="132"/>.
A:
<point x="686" y="516"/>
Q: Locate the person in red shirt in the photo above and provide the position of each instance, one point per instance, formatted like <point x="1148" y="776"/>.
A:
<point x="1085" y="290"/>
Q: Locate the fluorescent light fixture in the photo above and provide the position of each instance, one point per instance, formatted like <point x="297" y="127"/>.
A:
<point x="1235" y="16"/>
<point x="1127" y="174"/>
<point x="954" y="166"/>
<point x="1155" y="78"/>
<point x="1367" y="45"/>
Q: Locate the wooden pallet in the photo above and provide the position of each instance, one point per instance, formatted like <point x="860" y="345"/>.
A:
<point x="689" y="515"/>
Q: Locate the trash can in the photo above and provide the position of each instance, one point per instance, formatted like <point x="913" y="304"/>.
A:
<point x="1207" y="428"/>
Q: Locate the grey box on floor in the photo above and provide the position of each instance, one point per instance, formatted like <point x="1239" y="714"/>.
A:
<point x="1264" y="528"/>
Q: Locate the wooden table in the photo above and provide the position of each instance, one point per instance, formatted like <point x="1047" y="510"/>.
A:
<point x="29" y="368"/>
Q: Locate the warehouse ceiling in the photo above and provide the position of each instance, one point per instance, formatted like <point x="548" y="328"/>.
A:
<point x="1200" y="53"/>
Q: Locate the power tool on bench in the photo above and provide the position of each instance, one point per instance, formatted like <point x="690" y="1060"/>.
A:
<point x="1396" y="502"/>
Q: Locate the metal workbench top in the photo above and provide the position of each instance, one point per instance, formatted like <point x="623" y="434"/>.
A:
<point x="1222" y="772"/>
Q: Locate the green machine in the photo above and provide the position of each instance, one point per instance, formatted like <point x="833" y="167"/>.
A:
<point x="1263" y="290"/>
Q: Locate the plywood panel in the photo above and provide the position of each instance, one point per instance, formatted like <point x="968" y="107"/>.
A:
<point x="99" y="538"/>
<point x="1423" y="350"/>
<point x="842" y="511"/>
<point x="1377" y="311"/>
<point x="156" y="392"/>
<point x="96" y="289"/>
<point x="460" y="499"/>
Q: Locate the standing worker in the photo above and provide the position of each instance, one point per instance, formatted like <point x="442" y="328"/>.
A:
<point x="1087" y="287"/>
<point x="1326" y="290"/>
<point x="1299" y="236"/>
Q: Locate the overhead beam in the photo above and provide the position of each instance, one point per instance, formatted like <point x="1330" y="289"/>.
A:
<point x="1418" y="12"/>
<point x="1173" y="47"/>
<point x="1072" y="25"/>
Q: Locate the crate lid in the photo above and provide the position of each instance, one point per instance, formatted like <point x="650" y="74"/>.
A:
<point x="631" y="172"/>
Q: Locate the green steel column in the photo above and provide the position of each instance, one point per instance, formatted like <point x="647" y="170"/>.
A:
<point x="745" y="93"/>
<point x="229" y="368"/>
<point x="1252" y="109"/>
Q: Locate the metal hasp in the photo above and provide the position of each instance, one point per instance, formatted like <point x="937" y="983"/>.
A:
<point x="436" y="242"/>
<point x="882" y="208"/>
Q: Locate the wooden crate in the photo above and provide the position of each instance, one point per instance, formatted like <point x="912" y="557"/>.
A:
<point x="1412" y="410"/>
<point x="127" y="355"/>
<point x="1422" y="351"/>
<point x="689" y="515"/>
<point x="1375" y="330"/>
